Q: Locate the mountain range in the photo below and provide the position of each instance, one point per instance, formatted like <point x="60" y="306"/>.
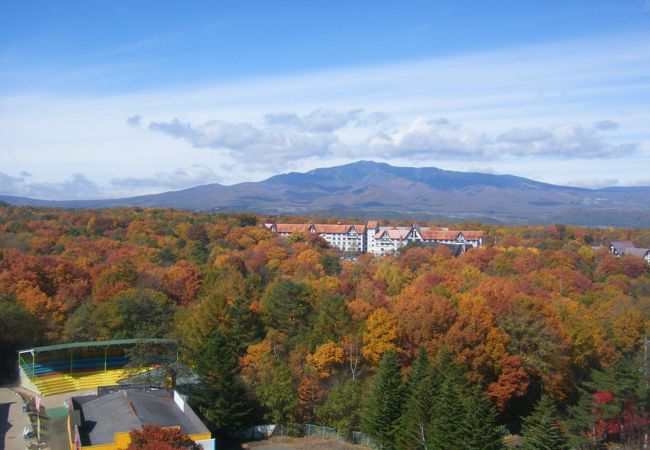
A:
<point x="367" y="189"/>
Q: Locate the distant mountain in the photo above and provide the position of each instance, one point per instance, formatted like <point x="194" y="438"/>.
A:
<point x="368" y="189"/>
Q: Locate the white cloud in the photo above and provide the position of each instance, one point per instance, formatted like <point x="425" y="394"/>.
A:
<point x="317" y="121"/>
<point x="547" y="102"/>
<point x="134" y="121"/>
<point x="606" y="125"/>
<point x="593" y="183"/>
<point x="74" y="188"/>
<point x="250" y="145"/>
<point x="525" y="136"/>
<point x="424" y="138"/>
<point x="568" y="141"/>
<point x="441" y="139"/>
<point x="182" y="178"/>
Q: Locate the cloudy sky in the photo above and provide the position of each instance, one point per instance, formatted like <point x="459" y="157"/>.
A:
<point x="116" y="98"/>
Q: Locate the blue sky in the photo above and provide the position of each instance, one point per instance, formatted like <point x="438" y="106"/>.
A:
<point x="112" y="98"/>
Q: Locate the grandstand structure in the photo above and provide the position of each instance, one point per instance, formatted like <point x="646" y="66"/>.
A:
<point x="75" y="366"/>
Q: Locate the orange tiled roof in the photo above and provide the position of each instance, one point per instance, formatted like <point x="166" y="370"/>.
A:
<point x="292" y="227"/>
<point x="438" y="235"/>
<point x="449" y="235"/>
<point x="372" y="224"/>
<point x="332" y="228"/>
<point x="394" y="233"/>
<point x="473" y="235"/>
<point x="338" y="228"/>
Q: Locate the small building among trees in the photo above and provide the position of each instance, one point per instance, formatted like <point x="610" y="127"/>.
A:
<point x="105" y="420"/>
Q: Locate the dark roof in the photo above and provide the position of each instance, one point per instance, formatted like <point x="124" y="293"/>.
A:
<point x="623" y="244"/>
<point x="639" y="252"/>
<point x="456" y="249"/>
<point x="104" y="415"/>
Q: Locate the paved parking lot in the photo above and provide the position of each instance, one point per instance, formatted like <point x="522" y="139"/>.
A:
<point x="12" y="420"/>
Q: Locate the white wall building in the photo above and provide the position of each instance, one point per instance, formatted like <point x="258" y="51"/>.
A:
<point x="621" y="248"/>
<point x="372" y="238"/>
<point x="346" y="238"/>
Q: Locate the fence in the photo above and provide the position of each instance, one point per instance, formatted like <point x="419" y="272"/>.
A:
<point x="310" y="430"/>
<point x="354" y="437"/>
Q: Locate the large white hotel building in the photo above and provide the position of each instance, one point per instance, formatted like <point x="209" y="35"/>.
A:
<point x="378" y="240"/>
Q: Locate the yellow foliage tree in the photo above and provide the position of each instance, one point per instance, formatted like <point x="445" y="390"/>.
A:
<point x="381" y="335"/>
<point x="628" y="330"/>
<point x="257" y="363"/>
<point x="326" y="357"/>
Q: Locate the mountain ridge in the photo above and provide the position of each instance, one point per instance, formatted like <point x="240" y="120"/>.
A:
<point x="359" y="188"/>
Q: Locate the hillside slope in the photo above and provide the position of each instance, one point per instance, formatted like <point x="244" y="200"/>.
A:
<point x="364" y="189"/>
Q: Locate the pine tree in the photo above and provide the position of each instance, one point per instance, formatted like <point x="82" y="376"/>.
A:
<point x="333" y="319"/>
<point x="419" y="370"/>
<point x="479" y="426"/>
<point x="221" y="397"/>
<point x="614" y="395"/>
<point x="243" y="327"/>
<point x="286" y="308"/>
<point x="341" y="409"/>
<point x="446" y="411"/>
<point x="384" y="405"/>
<point x="461" y="416"/>
<point x="447" y="415"/>
<point x="279" y="396"/>
<point x="541" y="429"/>
<point x="414" y="421"/>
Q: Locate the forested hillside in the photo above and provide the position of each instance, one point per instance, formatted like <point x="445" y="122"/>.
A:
<point x="412" y="349"/>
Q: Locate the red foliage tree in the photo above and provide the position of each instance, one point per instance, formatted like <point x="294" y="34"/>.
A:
<point x="152" y="437"/>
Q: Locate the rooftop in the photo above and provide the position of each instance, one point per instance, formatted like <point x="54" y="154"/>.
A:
<point x="91" y="344"/>
<point x="102" y="416"/>
<point x="638" y="252"/>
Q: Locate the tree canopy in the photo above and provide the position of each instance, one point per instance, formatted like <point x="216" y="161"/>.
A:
<point x="538" y="312"/>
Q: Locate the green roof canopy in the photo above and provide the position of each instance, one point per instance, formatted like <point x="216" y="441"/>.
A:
<point x="89" y="344"/>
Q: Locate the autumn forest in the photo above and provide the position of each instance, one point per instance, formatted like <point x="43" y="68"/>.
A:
<point x="538" y="334"/>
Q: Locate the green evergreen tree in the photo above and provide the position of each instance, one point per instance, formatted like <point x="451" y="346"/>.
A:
<point x="623" y="398"/>
<point x="341" y="408"/>
<point x="445" y="431"/>
<point x="479" y="426"/>
<point x="166" y="256"/>
<point x="384" y="405"/>
<point x="279" y="396"/>
<point x="420" y="369"/>
<point x="243" y="326"/>
<point x="461" y="416"/>
<point x="331" y="264"/>
<point x="446" y="412"/>
<point x="221" y="397"/>
<point x="135" y="313"/>
<point x="286" y="308"/>
<point x="333" y="319"/>
<point x="414" y="421"/>
<point x="80" y="326"/>
<point x="541" y="429"/>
